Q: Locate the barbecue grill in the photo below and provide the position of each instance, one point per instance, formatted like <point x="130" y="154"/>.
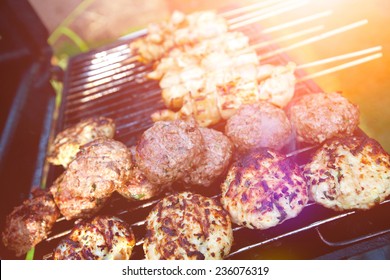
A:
<point x="109" y="82"/>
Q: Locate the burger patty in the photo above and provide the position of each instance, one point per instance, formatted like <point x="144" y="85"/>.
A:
<point x="29" y="223"/>
<point x="349" y="173"/>
<point x="218" y="152"/>
<point x="138" y="187"/>
<point x="169" y="150"/>
<point x="68" y="142"/>
<point x="316" y="117"/>
<point x="259" y="125"/>
<point x="263" y="189"/>
<point x="188" y="226"/>
<point x="102" y="238"/>
<point x="99" y="169"/>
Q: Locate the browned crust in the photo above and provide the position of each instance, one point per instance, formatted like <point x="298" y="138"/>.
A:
<point x="202" y="211"/>
<point x="102" y="225"/>
<point x="29" y="223"/>
<point x="90" y="179"/>
<point x="330" y="173"/>
<point x="169" y="150"/>
<point x="317" y="117"/>
<point x="257" y="183"/>
<point x="79" y="134"/>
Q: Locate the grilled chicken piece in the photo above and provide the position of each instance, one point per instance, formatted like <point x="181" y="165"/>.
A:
<point x="179" y="30"/>
<point x="102" y="238"/>
<point x="349" y="173"/>
<point x="317" y="117"/>
<point x="278" y="87"/>
<point x="216" y="159"/>
<point x="98" y="169"/>
<point x="186" y="56"/>
<point x="68" y="142"/>
<point x="215" y="69"/>
<point x="29" y="223"/>
<point x="187" y="226"/>
<point x="138" y="186"/>
<point x="169" y="150"/>
<point x="263" y="190"/>
<point x="259" y="125"/>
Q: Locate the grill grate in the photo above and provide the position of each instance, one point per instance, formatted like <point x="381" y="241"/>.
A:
<point x="107" y="82"/>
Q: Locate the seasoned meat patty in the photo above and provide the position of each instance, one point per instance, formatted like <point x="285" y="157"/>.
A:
<point x="102" y="238"/>
<point x="349" y="173"/>
<point x="217" y="157"/>
<point x="263" y="189"/>
<point x="259" y="125"/>
<point x="138" y="186"/>
<point x="68" y="142"/>
<point x="319" y="116"/>
<point x="169" y="150"/>
<point x="98" y="169"/>
<point x="188" y="226"/>
<point x="29" y="223"/>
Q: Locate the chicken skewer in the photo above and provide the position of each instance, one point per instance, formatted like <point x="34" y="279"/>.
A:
<point x="210" y="107"/>
<point x="233" y="43"/>
<point x="181" y="29"/>
<point x="240" y="43"/>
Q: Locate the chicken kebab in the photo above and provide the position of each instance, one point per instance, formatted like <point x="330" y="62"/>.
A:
<point x="178" y="30"/>
<point x="211" y="79"/>
<point x="218" y="95"/>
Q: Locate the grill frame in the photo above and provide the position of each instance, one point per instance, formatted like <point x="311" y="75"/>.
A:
<point x="296" y="228"/>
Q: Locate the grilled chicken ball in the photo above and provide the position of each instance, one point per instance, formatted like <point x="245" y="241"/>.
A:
<point x="263" y="189"/>
<point x="188" y="226"/>
<point x="316" y="117"/>
<point x="68" y="142"/>
<point x="138" y="186"/>
<point x="259" y="125"/>
<point x="29" y="223"/>
<point x="349" y="173"/>
<point x="98" y="169"/>
<point x="169" y="150"/>
<point x="103" y="238"/>
<point x="217" y="157"/>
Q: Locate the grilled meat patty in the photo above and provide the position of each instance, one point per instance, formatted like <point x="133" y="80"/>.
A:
<point x="102" y="238"/>
<point x="259" y="125"/>
<point x="29" y="223"/>
<point x="98" y="169"/>
<point x="263" y="189"/>
<point x="68" y="142"/>
<point x="217" y="157"/>
<point x="187" y="226"/>
<point x="316" y="117"/>
<point x="349" y="173"/>
<point x="169" y="150"/>
<point x="138" y="187"/>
